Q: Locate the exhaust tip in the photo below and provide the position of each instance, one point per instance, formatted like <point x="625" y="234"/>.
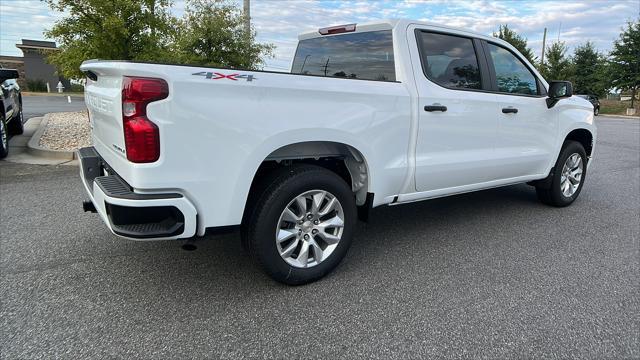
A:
<point x="88" y="206"/>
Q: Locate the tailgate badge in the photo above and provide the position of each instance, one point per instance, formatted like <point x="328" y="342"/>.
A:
<point x="118" y="148"/>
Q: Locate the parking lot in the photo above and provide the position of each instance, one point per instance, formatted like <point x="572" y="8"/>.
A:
<point x="493" y="274"/>
<point x="41" y="104"/>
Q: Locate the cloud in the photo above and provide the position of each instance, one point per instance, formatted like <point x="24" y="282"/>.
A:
<point x="280" y="21"/>
<point x="23" y="19"/>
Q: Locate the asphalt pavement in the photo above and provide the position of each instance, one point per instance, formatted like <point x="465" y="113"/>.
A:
<point x="492" y="275"/>
<point x="38" y="105"/>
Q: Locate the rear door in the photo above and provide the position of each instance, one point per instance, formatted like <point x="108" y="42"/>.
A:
<point x="527" y="129"/>
<point x="458" y="121"/>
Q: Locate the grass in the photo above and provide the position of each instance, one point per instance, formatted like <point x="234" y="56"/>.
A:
<point x="616" y="107"/>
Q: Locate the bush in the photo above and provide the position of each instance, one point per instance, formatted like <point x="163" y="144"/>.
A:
<point x="36" y="85"/>
<point x="78" y="88"/>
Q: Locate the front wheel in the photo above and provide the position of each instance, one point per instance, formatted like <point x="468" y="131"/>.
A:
<point x="596" y="111"/>
<point x="568" y="176"/>
<point x="4" y="138"/>
<point x="302" y="224"/>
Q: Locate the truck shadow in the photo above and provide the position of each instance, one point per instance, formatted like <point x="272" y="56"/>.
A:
<point x="420" y="226"/>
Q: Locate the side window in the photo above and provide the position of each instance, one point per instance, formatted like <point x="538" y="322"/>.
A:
<point x="449" y="60"/>
<point x="512" y="75"/>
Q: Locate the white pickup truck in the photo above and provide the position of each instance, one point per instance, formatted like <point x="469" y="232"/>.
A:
<point x="371" y="114"/>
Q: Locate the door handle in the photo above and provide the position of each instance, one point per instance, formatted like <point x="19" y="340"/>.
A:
<point x="431" y="108"/>
<point x="509" y="110"/>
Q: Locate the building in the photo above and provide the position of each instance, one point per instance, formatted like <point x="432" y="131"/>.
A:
<point x="33" y="67"/>
<point x="14" y="62"/>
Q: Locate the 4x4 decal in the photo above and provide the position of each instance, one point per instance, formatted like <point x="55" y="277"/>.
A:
<point x="218" y="76"/>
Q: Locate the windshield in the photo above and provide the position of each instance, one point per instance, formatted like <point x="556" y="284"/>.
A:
<point x="366" y="55"/>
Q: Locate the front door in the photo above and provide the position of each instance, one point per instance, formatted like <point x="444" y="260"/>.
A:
<point x="527" y="129"/>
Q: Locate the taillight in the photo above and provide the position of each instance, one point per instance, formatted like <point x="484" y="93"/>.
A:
<point x="141" y="136"/>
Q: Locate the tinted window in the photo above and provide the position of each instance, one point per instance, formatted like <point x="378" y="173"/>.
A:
<point x="366" y="55"/>
<point x="449" y="60"/>
<point x="511" y="74"/>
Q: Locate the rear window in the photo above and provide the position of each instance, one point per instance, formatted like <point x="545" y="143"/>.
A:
<point x="366" y="56"/>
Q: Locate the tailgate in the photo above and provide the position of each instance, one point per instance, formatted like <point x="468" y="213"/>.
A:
<point x="103" y="99"/>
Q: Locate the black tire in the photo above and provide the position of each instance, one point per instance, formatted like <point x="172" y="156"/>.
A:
<point x="552" y="194"/>
<point x="16" y="126"/>
<point x="261" y="222"/>
<point x="4" y="138"/>
<point x="596" y="111"/>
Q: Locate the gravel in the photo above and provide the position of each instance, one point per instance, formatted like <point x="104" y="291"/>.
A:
<point x="67" y="131"/>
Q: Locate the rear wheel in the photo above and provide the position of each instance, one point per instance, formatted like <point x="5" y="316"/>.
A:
<point x="16" y="125"/>
<point x="4" y="138"/>
<point x="302" y="224"/>
<point x="568" y="176"/>
<point x="596" y="111"/>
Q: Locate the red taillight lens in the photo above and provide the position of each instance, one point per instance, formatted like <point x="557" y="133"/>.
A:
<point x="141" y="136"/>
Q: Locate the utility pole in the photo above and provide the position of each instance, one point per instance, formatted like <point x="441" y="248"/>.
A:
<point x="247" y="16"/>
<point x="544" y="45"/>
<point x="559" y="29"/>
<point x="326" y="67"/>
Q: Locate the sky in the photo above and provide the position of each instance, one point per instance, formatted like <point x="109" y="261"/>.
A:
<point x="280" y="21"/>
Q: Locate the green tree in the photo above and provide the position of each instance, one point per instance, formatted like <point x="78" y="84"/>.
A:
<point x="624" y="63"/>
<point x="111" y="30"/>
<point x="588" y="70"/>
<point x="557" y="66"/>
<point x="517" y="41"/>
<point x="212" y="33"/>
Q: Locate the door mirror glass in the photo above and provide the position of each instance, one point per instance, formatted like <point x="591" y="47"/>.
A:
<point x="559" y="90"/>
<point x="7" y="74"/>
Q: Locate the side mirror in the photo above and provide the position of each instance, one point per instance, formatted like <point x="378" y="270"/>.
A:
<point x="7" y="74"/>
<point x="558" y="90"/>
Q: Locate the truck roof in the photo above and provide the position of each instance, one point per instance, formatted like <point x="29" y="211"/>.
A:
<point x="388" y="24"/>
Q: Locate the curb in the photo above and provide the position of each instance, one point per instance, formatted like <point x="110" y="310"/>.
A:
<point x="34" y="148"/>
<point x="621" y="116"/>
<point x="29" y="93"/>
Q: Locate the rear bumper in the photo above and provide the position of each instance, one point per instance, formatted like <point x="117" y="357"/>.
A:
<point x="130" y="214"/>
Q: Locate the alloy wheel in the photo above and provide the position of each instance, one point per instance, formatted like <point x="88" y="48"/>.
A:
<point x="571" y="175"/>
<point x="310" y="228"/>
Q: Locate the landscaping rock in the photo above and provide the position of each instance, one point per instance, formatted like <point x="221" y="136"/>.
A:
<point x="67" y="131"/>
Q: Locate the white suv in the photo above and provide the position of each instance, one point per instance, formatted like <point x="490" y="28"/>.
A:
<point x="374" y="114"/>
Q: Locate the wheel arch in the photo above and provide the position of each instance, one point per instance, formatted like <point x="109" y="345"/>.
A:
<point x="328" y="154"/>
<point x="584" y="137"/>
<point x="343" y="159"/>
